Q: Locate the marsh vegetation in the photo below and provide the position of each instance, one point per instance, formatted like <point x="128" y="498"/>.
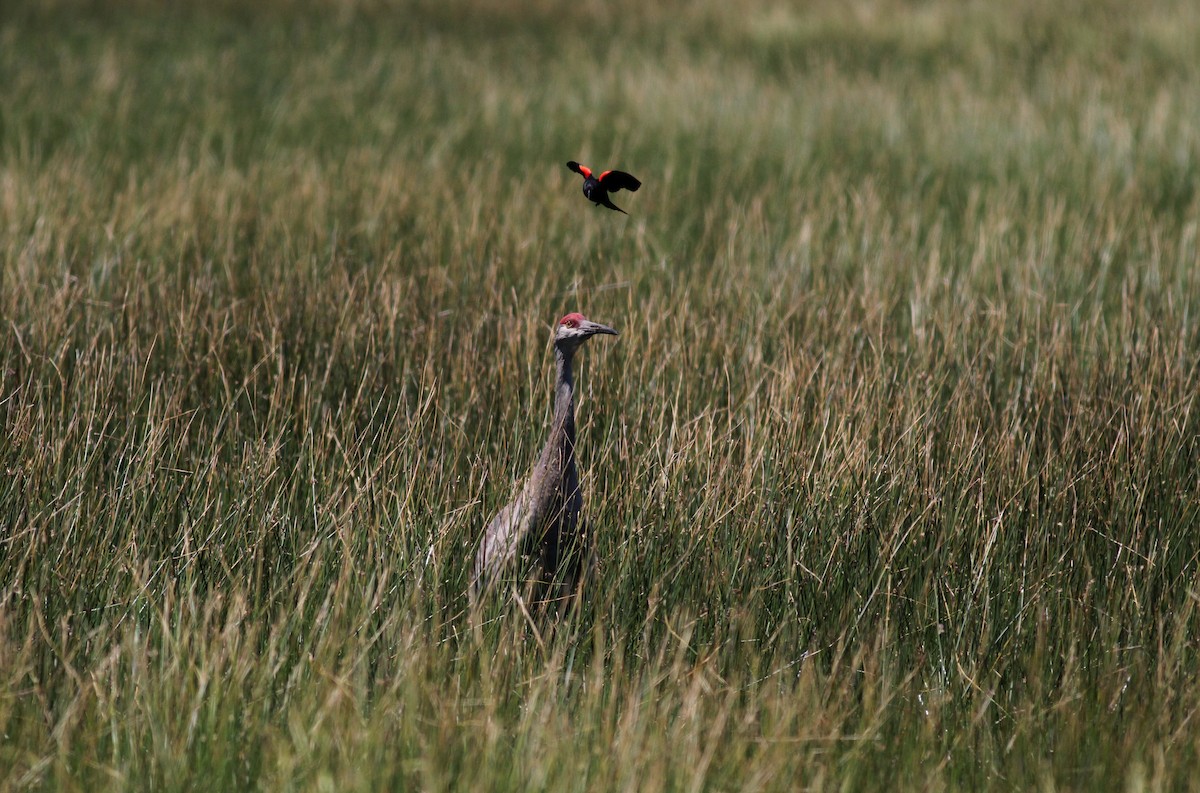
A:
<point x="893" y="468"/>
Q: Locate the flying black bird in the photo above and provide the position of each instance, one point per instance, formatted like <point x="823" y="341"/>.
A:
<point x="597" y="188"/>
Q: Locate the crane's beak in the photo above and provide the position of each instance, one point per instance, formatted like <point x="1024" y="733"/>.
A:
<point x="595" y="327"/>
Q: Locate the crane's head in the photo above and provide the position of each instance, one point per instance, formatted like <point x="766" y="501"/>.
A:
<point x="574" y="329"/>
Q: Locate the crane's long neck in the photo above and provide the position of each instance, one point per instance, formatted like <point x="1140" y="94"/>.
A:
<point x="557" y="462"/>
<point x="562" y="429"/>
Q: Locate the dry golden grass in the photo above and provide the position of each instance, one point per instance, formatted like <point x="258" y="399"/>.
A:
<point x="893" y="466"/>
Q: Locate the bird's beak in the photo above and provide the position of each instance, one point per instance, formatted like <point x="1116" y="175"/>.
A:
<point x="595" y="327"/>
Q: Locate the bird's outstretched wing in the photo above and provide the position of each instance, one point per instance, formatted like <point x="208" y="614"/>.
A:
<point x="582" y="170"/>
<point x="619" y="180"/>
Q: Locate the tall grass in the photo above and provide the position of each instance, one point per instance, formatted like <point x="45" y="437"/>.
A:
<point x="893" y="469"/>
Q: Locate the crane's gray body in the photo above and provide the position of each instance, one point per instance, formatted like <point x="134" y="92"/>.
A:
<point x="542" y="522"/>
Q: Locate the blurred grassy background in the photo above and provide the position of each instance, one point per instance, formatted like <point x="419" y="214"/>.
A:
<point x="894" y="465"/>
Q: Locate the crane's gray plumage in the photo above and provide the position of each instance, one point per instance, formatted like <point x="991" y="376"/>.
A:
<point x="543" y="520"/>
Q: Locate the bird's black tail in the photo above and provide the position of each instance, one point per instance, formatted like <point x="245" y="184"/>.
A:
<point x="606" y="202"/>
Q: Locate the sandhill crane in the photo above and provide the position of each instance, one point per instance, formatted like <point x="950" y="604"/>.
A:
<point x="543" y="520"/>
<point x="597" y="188"/>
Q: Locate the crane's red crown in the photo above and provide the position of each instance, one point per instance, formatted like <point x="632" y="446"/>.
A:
<point x="573" y="319"/>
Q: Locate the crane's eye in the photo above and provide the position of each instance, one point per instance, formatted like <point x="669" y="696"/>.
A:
<point x="570" y="323"/>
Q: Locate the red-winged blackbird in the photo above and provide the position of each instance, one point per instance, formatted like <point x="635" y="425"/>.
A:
<point x="597" y="188"/>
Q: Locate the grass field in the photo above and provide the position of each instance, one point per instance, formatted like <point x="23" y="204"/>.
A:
<point x="895" y="466"/>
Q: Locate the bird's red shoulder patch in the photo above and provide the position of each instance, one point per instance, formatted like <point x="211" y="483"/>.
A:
<point x="572" y="320"/>
<point x="601" y="176"/>
<point x="586" y="171"/>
